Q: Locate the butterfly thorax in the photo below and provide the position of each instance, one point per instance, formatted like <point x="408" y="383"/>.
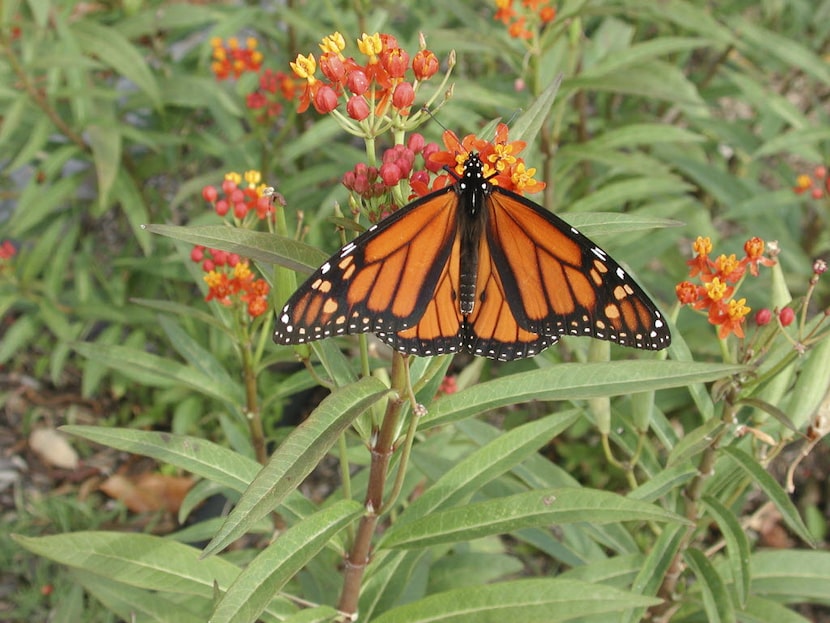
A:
<point x="472" y="191"/>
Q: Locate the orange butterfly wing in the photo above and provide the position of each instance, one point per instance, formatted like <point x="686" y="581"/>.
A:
<point x="386" y="280"/>
<point x="556" y="281"/>
<point x="492" y="329"/>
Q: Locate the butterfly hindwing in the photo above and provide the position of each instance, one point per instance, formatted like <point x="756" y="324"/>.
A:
<point x="493" y="330"/>
<point x="559" y="282"/>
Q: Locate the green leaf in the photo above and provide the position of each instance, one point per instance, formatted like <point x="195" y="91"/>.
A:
<point x="257" y="245"/>
<point x="524" y="510"/>
<point x="664" y="482"/>
<point x="140" y="560"/>
<point x="160" y="372"/>
<point x="694" y="442"/>
<point x="656" y="566"/>
<point x="488" y="462"/>
<point x="139" y="604"/>
<point x="116" y="51"/>
<point x="618" y="193"/>
<point x="652" y="80"/>
<point x="792" y="575"/>
<point x="528" y="601"/>
<point x="278" y="563"/>
<point x="772" y="489"/>
<point x="132" y="203"/>
<point x="298" y="455"/>
<point x="610" y="223"/>
<point x="526" y="127"/>
<point x="198" y="456"/>
<point x="755" y="39"/>
<point x="716" y="601"/>
<point x="196" y="355"/>
<point x="572" y="381"/>
<point x="105" y="141"/>
<point x="760" y="610"/>
<point x="737" y="546"/>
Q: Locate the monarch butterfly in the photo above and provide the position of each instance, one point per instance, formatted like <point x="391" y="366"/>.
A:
<point x="472" y="267"/>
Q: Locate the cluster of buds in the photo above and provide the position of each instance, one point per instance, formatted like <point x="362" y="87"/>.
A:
<point x="370" y="186"/>
<point x="369" y="88"/>
<point x="240" y="201"/>
<point x="229" y="59"/>
<point x="526" y="19"/>
<point x="719" y="280"/>
<point x="818" y="183"/>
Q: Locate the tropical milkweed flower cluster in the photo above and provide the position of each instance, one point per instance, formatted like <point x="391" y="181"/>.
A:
<point x="370" y="186"/>
<point x="230" y="280"/>
<point x="523" y="18"/>
<point x="275" y="87"/>
<point x="818" y="184"/>
<point x="719" y="280"/>
<point x="241" y="200"/>
<point x="369" y="88"/>
<point x="229" y="277"/>
<point x="502" y="166"/>
<point x="231" y="59"/>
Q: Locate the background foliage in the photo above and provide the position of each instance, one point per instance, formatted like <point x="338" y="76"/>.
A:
<point x="529" y="494"/>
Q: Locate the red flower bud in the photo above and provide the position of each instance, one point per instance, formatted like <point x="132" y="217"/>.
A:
<point x="416" y="143"/>
<point x="325" y="100"/>
<point x="390" y="174"/>
<point x="357" y="108"/>
<point x="332" y="67"/>
<point x="403" y="96"/>
<point x="357" y="82"/>
<point x="197" y="254"/>
<point x="786" y="316"/>
<point x="222" y="207"/>
<point x="762" y="317"/>
<point x="209" y="193"/>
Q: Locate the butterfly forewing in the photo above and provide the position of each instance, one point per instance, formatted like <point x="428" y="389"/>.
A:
<point x="382" y="281"/>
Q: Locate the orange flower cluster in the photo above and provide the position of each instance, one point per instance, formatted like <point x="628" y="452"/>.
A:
<point x="231" y="59"/>
<point x="275" y="87"/>
<point x="502" y="167"/>
<point x="240" y="201"/>
<point x="818" y="184"/>
<point x="530" y="14"/>
<point x="720" y="278"/>
<point x="374" y="85"/>
<point x="231" y="280"/>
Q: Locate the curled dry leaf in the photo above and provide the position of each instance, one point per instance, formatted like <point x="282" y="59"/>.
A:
<point x="148" y="492"/>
